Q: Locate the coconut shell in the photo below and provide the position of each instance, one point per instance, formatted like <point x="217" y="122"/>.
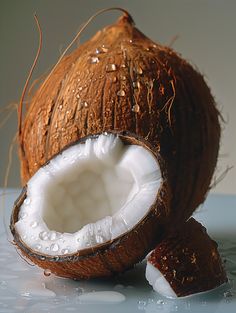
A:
<point x="118" y="81"/>
<point x="189" y="260"/>
<point x="109" y="258"/>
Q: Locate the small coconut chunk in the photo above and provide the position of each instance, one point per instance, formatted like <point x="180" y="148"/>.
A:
<point x="185" y="263"/>
<point x="158" y="281"/>
<point x="89" y="194"/>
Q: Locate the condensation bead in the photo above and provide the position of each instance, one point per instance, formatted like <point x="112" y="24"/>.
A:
<point x="136" y="108"/>
<point x="44" y="235"/>
<point x="65" y="251"/>
<point x="136" y="85"/>
<point x="38" y="247"/>
<point x="34" y="224"/>
<point x="54" y="247"/>
<point x="139" y="70"/>
<point x="27" y="201"/>
<point x="99" y="239"/>
<point x="47" y="272"/>
<point x="53" y="235"/>
<point x="121" y="93"/>
<point x="94" y="60"/>
<point x="111" y="67"/>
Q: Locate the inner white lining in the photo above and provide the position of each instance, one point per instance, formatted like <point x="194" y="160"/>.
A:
<point x="87" y="195"/>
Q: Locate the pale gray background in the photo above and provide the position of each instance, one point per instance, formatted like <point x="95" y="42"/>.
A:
<point x="206" y="31"/>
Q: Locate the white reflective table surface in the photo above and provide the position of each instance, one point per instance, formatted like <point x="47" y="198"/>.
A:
<point x="25" y="288"/>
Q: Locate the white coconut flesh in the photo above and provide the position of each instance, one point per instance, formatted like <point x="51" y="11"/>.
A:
<point x="159" y="283"/>
<point x="87" y="195"/>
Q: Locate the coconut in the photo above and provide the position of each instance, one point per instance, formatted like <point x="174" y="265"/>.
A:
<point x="185" y="263"/>
<point x="120" y="82"/>
<point x="89" y="210"/>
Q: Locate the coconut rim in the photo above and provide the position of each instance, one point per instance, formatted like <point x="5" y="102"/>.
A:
<point x="127" y="138"/>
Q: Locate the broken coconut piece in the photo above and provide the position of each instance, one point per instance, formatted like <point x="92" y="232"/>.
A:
<point x="87" y="198"/>
<point x="185" y="263"/>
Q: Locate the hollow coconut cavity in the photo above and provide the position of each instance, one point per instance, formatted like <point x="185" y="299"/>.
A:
<point x="89" y="194"/>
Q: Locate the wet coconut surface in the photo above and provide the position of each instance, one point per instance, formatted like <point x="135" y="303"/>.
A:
<point x="28" y="289"/>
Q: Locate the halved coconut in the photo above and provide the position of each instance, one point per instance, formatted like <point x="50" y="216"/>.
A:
<point x="185" y="263"/>
<point x="93" y="209"/>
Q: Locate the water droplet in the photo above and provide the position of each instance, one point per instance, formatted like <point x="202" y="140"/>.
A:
<point x="60" y="107"/>
<point x="65" y="251"/>
<point x="142" y="304"/>
<point x="25" y="294"/>
<point x="43" y="235"/>
<point x="99" y="239"/>
<point x="73" y="91"/>
<point x="3" y="284"/>
<point x="130" y="40"/>
<point x="38" y="247"/>
<point x="23" y="215"/>
<point x="136" y="85"/>
<point x="52" y="235"/>
<point x="80" y="88"/>
<point x="111" y="67"/>
<point x="114" y="79"/>
<point x="47" y="272"/>
<point x="123" y="77"/>
<point x="102" y="49"/>
<point x="42" y="258"/>
<point x="154" y="46"/>
<point x="121" y="93"/>
<point x="27" y="201"/>
<point x="123" y="65"/>
<point x="136" y="108"/>
<point x="77" y="96"/>
<point x="139" y="70"/>
<point x="160" y="302"/>
<point x="94" y="60"/>
<point x="228" y="294"/>
<point x="54" y="247"/>
<point x="34" y="224"/>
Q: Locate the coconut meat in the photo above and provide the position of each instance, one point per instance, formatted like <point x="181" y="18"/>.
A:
<point x="89" y="194"/>
<point x="158" y="281"/>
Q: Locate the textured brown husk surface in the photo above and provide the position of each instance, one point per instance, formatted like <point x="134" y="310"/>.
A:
<point x="189" y="260"/>
<point x="121" y="81"/>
